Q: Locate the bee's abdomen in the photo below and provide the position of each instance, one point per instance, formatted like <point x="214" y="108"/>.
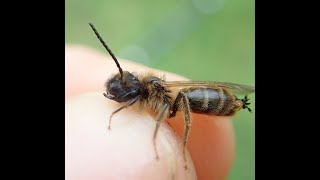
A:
<point x="211" y="101"/>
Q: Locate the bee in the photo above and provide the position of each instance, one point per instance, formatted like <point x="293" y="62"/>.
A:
<point x="166" y="98"/>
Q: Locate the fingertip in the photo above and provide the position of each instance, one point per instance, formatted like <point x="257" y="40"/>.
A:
<point x="92" y="152"/>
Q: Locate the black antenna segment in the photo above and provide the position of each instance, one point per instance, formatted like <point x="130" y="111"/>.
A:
<point x="107" y="48"/>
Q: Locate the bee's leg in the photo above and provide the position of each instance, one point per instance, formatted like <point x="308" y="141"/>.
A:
<point x="187" y="119"/>
<point x="182" y="98"/>
<point x="130" y="102"/>
<point x="160" y="116"/>
<point x="176" y="105"/>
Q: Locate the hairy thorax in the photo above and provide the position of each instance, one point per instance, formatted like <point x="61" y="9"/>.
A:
<point x="154" y="94"/>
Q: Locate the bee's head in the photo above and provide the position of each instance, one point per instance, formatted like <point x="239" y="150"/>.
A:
<point x="122" y="88"/>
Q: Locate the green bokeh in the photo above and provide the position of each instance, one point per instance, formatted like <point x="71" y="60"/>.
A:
<point x="200" y="39"/>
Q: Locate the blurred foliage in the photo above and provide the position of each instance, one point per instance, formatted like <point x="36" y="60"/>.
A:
<point x="200" y="39"/>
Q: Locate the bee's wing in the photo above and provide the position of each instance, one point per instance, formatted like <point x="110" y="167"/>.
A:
<point x="235" y="88"/>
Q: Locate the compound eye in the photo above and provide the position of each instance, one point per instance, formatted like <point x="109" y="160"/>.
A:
<point x="114" y="88"/>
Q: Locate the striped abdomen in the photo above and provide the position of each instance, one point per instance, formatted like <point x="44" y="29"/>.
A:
<point x="212" y="101"/>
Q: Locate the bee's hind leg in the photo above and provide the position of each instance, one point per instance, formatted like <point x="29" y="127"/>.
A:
<point x="182" y="98"/>
<point x="176" y="105"/>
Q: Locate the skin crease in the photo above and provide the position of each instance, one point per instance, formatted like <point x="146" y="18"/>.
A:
<point x="126" y="152"/>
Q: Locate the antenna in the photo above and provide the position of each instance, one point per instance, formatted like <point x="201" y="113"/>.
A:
<point x="107" y="48"/>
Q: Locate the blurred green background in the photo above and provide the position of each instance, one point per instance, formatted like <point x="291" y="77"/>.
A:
<point x="201" y="39"/>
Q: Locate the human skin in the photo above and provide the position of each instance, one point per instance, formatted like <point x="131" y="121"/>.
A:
<point x="126" y="151"/>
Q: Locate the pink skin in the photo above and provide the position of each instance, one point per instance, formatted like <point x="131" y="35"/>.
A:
<point x="126" y="152"/>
